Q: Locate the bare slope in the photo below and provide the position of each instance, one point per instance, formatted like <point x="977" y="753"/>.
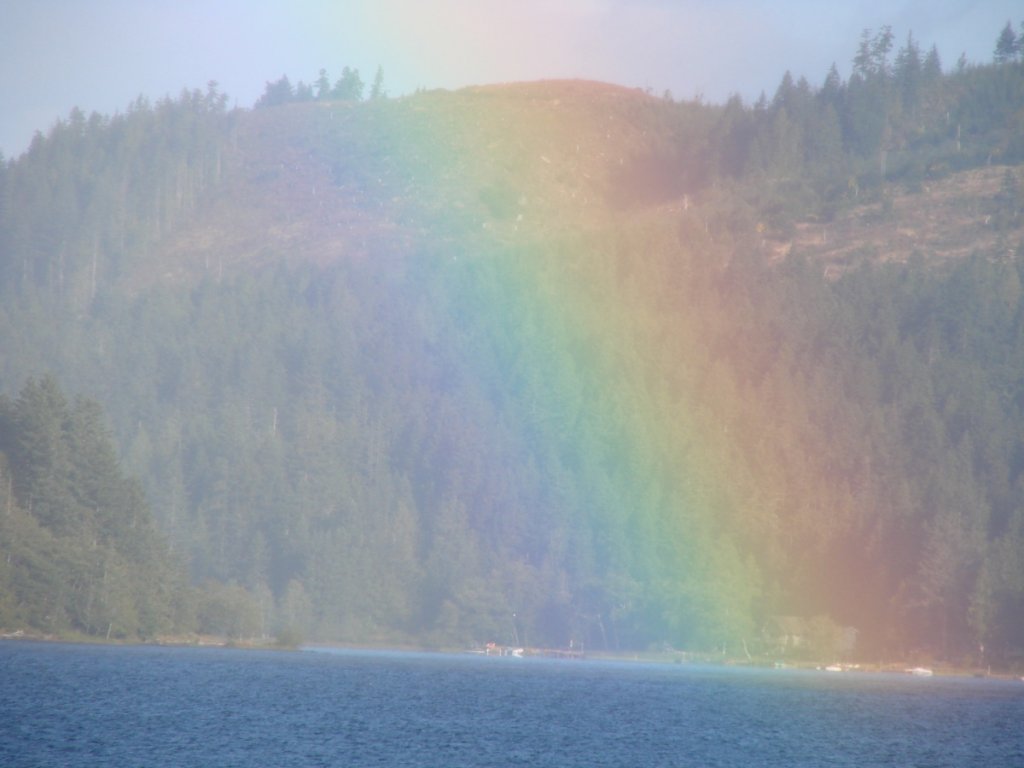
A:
<point x="944" y="219"/>
<point x="317" y="182"/>
<point x="321" y="181"/>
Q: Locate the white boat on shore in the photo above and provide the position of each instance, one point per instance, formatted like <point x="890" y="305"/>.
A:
<point x="920" y="671"/>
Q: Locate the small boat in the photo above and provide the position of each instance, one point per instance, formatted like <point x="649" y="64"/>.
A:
<point x="920" y="671"/>
<point x="834" y="668"/>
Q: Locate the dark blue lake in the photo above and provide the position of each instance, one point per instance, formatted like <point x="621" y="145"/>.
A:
<point x="70" y="705"/>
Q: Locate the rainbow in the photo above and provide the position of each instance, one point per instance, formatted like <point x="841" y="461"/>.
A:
<point x="608" y="343"/>
<point x="603" y="323"/>
<point x="597" y="363"/>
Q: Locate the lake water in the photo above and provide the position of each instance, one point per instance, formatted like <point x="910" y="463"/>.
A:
<point x="72" y="705"/>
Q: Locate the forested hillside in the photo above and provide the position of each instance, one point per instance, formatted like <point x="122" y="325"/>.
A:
<point x="557" y="362"/>
<point x="80" y="550"/>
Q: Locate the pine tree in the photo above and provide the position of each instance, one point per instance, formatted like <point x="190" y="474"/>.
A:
<point x="377" y="89"/>
<point x="323" y="86"/>
<point x="276" y="93"/>
<point x="932" y="69"/>
<point x="862" y="61"/>
<point x="40" y="460"/>
<point x="832" y="90"/>
<point x="1007" y="45"/>
<point x="908" y="73"/>
<point x="349" y="86"/>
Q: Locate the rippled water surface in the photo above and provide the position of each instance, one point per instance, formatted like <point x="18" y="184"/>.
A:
<point x="67" y="705"/>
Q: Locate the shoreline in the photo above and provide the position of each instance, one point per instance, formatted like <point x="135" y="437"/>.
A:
<point x="937" y="669"/>
<point x="944" y="670"/>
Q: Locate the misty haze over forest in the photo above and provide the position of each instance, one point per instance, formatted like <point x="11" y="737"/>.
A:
<point x="556" y="364"/>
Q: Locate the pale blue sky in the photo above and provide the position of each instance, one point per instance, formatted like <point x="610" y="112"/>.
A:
<point x="100" y="54"/>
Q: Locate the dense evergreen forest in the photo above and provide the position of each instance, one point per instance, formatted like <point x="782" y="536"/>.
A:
<point x="81" y="551"/>
<point x="524" y="364"/>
